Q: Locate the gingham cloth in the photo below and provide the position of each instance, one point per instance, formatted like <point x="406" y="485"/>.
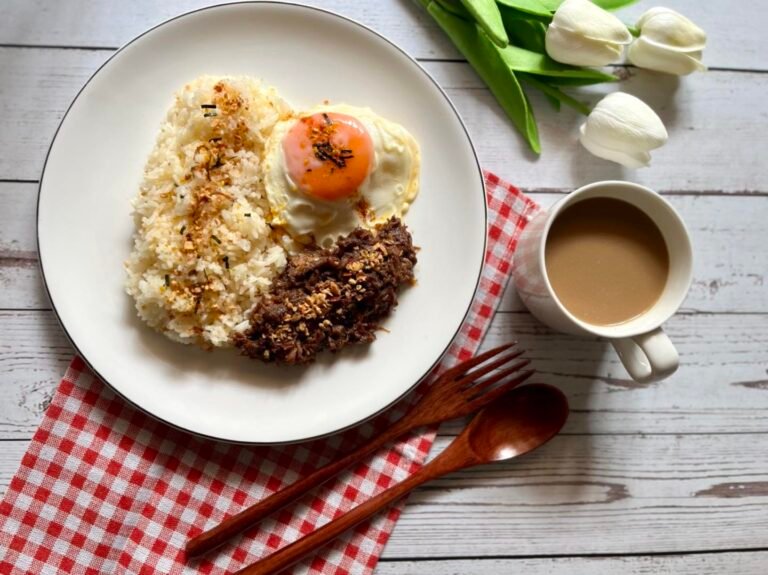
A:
<point x="106" y="489"/>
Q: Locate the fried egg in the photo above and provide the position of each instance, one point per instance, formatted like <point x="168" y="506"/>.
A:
<point x="335" y="168"/>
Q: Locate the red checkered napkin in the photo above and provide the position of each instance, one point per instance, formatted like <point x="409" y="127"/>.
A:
<point x="106" y="489"/>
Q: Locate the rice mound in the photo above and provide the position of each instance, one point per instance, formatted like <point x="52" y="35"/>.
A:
<point x="203" y="250"/>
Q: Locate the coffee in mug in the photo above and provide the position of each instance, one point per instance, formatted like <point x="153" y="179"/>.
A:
<point x="612" y="259"/>
<point x="606" y="260"/>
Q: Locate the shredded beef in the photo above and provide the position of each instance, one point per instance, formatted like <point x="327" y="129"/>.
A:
<point x="330" y="298"/>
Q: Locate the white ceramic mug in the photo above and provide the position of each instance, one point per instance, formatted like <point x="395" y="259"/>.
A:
<point x="644" y="348"/>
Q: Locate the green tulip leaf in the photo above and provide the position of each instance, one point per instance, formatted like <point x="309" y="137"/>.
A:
<point x="613" y="4"/>
<point x="605" y="4"/>
<point x="488" y="16"/>
<point x="535" y="7"/>
<point x="522" y="60"/>
<point x="525" y="33"/>
<point x="452" y="6"/>
<point x="485" y="57"/>
<point x="551" y="5"/>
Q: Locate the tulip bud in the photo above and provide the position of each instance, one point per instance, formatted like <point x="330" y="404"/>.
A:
<point x="623" y="129"/>
<point x="583" y="34"/>
<point x="668" y="42"/>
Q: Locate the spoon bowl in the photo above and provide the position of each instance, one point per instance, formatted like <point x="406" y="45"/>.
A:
<point x="512" y="425"/>
<point x="517" y="423"/>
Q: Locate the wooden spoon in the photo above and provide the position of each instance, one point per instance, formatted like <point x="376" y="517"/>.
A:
<point x="515" y="424"/>
<point x="464" y="389"/>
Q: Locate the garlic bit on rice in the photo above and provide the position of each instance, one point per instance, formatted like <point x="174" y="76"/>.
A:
<point x="203" y="251"/>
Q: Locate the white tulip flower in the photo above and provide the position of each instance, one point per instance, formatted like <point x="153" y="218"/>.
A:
<point x="669" y="42"/>
<point x="583" y="34"/>
<point x="623" y="129"/>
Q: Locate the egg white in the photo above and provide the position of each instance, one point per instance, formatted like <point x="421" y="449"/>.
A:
<point x="389" y="189"/>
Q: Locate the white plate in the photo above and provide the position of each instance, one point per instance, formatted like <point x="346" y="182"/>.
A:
<point x="94" y="167"/>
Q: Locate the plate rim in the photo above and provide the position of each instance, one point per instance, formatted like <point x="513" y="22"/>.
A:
<point x="348" y="20"/>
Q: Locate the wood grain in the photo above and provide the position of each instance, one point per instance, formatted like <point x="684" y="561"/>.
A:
<point x="722" y="384"/>
<point x="744" y="563"/>
<point x="17" y="221"/>
<point x="11" y="453"/>
<point x="697" y="110"/>
<point x="33" y="357"/>
<point x="110" y="23"/>
<point x="33" y="98"/>
<point x="20" y="284"/>
<point x="594" y="494"/>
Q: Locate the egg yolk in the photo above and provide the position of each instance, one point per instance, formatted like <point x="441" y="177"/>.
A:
<point x="328" y="155"/>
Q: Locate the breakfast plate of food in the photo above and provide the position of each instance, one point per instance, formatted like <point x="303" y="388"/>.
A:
<point x="261" y="222"/>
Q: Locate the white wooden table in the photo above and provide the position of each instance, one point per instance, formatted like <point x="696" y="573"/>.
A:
<point x="662" y="478"/>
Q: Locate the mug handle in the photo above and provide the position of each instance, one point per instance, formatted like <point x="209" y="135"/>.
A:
<point x="647" y="357"/>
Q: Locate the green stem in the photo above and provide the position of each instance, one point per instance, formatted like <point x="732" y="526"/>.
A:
<point x="555" y="93"/>
<point x="456" y="8"/>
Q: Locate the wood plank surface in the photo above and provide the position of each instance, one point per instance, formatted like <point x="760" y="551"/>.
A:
<point x="722" y="384"/>
<point x="742" y="563"/>
<point x="21" y="286"/>
<point x="11" y="453"/>
<point x="111" y="23"/>
<point x="697" y="111"/>
<point x="36" y="88"/>
<point x="581" y="495"/>
<point x="33" y="357"/>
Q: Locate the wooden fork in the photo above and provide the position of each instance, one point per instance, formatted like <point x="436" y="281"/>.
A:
<point x="459" y="391"/>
